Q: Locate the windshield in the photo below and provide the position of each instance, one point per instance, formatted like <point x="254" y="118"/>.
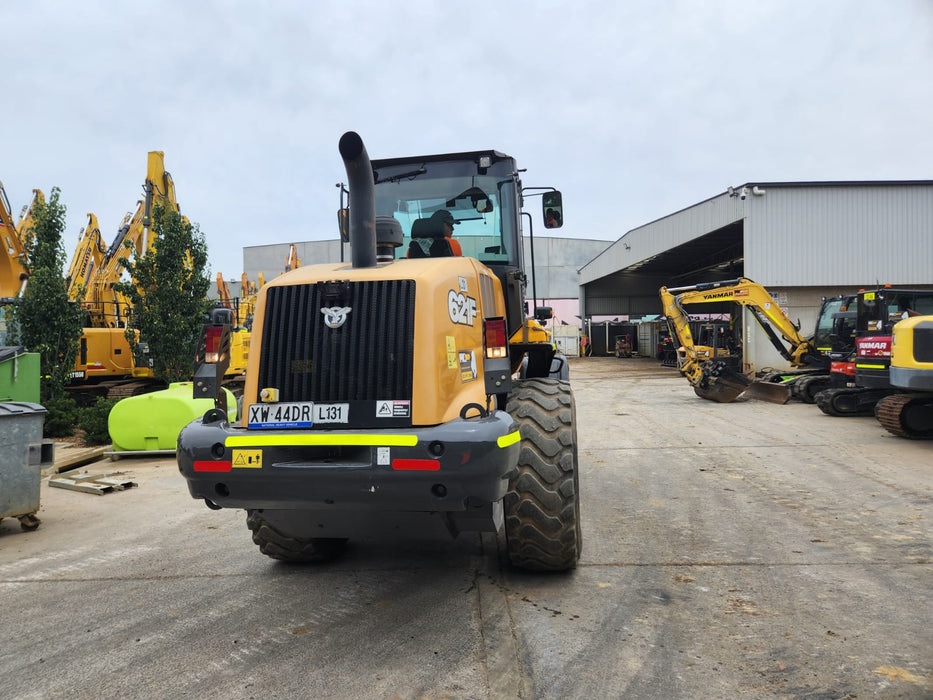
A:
<point x="481" y="201"/>
<point x="822" y="339"/>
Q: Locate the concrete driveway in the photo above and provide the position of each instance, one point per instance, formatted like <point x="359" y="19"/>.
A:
<point x="730" y="550"/>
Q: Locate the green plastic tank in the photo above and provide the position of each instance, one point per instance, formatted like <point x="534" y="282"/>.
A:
<point x="152" y="421"/>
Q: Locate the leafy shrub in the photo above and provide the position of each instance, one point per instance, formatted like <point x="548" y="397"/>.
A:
<point x="61" y="417"/>
<point x="93" y="421"/>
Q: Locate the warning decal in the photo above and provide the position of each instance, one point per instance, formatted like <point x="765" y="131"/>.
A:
<point x="451" y="352"/>
<point x="393" y="409"/>
<point x="247" y="459"/>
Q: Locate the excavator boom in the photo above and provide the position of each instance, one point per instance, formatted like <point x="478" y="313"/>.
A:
<point x="13" y="259"/>
<point x="12" y="254"/>
<point x="86" y="260"/>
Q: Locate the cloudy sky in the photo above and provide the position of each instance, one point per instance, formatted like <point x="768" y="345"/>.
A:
<point x="633" y="109"/>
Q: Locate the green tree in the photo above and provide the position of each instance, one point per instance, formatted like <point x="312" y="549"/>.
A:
<point x="168" y="295"/>
<point x="46" y="321"/>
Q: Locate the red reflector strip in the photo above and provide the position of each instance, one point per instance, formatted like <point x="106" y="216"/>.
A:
<point x="212" y="466"/>
<point x="419" y="465"/>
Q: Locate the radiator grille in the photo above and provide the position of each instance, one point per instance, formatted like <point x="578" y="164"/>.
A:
<point x="923" y="344"/>
<point x="368" y="358"/>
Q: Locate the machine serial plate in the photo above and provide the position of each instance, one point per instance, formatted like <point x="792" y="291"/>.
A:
<point x="302" y="414"/>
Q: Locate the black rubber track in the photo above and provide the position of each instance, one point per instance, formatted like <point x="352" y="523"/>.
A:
<point x="907" y="415"/>
<point x="850" y="401"/>
<point x="274" y="544"/>
<point x="807" y="387"/>
<point x="542" y="507"/>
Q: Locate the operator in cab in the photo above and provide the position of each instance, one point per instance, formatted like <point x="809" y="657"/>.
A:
<point x="447" y="220"/>
<point x="433" y="237"/>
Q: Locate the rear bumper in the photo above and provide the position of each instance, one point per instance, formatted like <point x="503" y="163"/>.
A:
<point x="917" y="378"/>
<point x="446" y="468"/>
<point x="873" y="376"/>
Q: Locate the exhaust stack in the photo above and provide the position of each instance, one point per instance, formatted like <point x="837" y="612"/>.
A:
<point x="362" y="200"/>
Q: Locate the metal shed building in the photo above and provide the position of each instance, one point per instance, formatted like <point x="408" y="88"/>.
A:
<point x="801" y="240"/>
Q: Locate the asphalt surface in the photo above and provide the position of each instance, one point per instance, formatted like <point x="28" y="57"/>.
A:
<point x="730" y="550"/>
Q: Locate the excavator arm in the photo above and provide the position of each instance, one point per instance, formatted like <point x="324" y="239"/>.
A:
<point x="86" y="260"/>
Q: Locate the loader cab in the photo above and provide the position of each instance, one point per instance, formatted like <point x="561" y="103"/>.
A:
<point x="481" y="192"/>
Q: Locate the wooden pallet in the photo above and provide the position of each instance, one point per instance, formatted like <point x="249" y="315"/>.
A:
<point x="67" y="458"/>
<point x="92" y="483"/>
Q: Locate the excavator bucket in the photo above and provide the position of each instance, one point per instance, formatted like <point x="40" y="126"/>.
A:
<point x="775" y="392"/>
<point x="721" y="383"/>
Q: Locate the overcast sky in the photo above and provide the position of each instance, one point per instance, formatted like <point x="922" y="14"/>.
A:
<point x="633" y="109"/>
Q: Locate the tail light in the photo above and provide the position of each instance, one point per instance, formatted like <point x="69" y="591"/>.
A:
<point x="494" y="338"/>
<point x="212" y="342"/>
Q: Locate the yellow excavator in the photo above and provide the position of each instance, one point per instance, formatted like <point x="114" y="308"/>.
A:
<point x="714" y="371"/>
<point x="27" y="217"/>
<point x="239" y="341"/>
<point x="292" y="261"/>
<point x="105" y="365"/>
<point x="12" y="254"/>
<point x="248" y="292"/>
<point x="909" y="413"/>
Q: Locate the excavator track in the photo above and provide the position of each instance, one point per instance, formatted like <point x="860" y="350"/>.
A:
<point x="850" y="401"/>
<point x="122" y="391"/>
<point x="907" y="415"/>
<point x="807" y="387"/>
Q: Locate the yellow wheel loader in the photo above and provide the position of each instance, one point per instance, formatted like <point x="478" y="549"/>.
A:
<point x="410" y="390"/>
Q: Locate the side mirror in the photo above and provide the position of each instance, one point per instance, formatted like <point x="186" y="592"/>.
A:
<point x="543" y="313"/>
<point x="553" y="208"/>
<point x="343" y="224"/>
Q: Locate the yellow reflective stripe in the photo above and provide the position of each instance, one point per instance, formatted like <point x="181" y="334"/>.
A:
<point x="870" y="367"/>
<point x="321" y="439"/>
<point x="509" y="439"/>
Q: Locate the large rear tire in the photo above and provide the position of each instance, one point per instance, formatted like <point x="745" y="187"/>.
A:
<point x="542" y="506"/>
<point x="277" y="545"/>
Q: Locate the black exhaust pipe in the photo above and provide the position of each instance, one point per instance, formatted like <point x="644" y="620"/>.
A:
<point x="362" y="200"/>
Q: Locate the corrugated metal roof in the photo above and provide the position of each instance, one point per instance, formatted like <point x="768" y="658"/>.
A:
<point x="797" y="233"/>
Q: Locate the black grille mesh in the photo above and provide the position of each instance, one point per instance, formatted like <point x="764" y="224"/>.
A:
<point x="923" y="344"/>
<point x="368" y="358"/>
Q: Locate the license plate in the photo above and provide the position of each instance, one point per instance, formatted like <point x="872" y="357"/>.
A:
<point x="300" y="414"/>
<point x="331" y="412"/>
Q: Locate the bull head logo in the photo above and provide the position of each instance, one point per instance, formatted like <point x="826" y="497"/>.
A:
<point x="335" y="316"/>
